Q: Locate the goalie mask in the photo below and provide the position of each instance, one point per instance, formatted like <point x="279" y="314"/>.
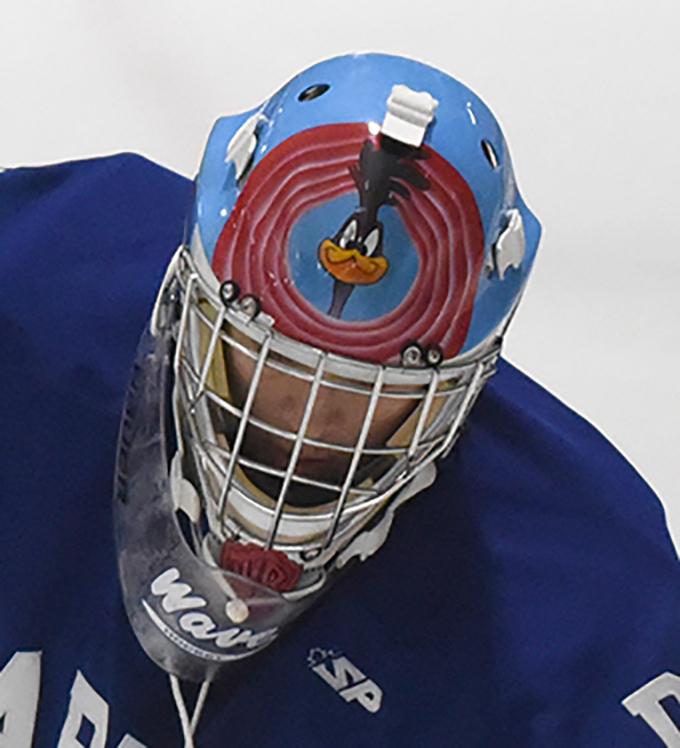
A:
<point x="356" y="249"/>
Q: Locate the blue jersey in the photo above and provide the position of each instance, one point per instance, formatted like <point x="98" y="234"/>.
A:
<point x="531" y="597"/>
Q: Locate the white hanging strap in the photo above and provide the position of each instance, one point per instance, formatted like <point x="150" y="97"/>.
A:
<point x="188" y="724"/>
<point x="182" y="712"/>
<point x="200" y="702"/>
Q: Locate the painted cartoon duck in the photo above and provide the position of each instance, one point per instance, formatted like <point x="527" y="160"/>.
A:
<point x="354" y="255"/>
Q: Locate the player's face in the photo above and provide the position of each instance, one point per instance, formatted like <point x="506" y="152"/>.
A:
<point x="337" y="418"/>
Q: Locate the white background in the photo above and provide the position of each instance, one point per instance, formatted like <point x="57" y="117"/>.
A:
<point x="587" y="93"/>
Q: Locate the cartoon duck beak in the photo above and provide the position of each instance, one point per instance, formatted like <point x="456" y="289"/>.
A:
<point x="350" y="266"/>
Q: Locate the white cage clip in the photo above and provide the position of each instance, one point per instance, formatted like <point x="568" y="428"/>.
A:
<point x="408" y="114"/>
<point x="242" y="145"/>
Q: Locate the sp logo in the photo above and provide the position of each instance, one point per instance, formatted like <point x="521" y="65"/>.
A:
<point x="345" y="678"/>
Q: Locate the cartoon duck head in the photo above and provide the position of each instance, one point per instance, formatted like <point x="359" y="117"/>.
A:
<point x="354" y="255"/>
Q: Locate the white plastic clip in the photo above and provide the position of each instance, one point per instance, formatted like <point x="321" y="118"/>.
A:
<point x="369" y="541"/>
<point x="184" y="495"/>
<point x="508" y="251"/>
<point x="243" y="143"/>
<point x="408" y="114"/>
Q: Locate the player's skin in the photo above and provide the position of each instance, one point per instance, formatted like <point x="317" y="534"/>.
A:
<point x="337" y="417"/>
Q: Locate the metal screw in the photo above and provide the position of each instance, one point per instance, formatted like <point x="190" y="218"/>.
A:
<point x="250" y="305"/>
<point x="412" y="355"/>
<point x="434" y="355"/>
<point x="229" y="292"/>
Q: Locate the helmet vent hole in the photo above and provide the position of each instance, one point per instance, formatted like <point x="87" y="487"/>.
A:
<point x="490" y="154"/>
<point x="313" y="92"/>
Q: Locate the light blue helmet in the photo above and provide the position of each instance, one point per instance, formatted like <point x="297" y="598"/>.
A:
<point x="456" y="252"/>
<point x="356" y="249"/>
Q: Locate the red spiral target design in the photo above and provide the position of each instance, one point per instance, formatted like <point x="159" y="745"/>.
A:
<point x="311" y="168"/>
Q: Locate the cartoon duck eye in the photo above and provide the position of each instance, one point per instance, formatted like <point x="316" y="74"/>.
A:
<point x="349" y="234"/>
<point x="371" y="241"/>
